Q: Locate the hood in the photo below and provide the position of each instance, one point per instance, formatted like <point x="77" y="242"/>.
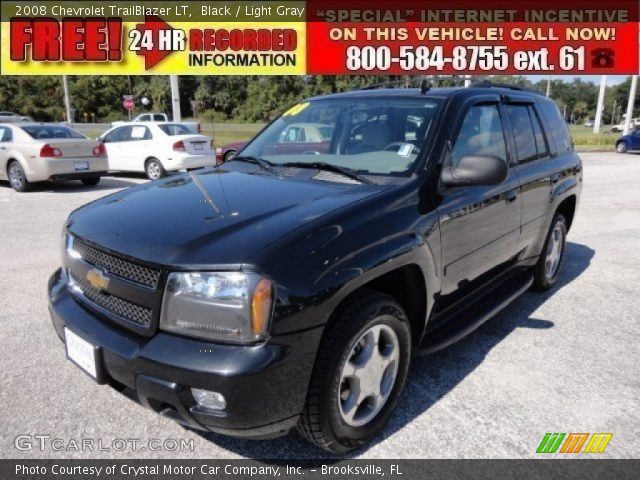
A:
<point x="208" y="217"/>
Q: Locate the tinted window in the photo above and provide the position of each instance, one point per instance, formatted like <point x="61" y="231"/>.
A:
<point x="120" y="134"/>
<point x="6" y="135"/>
<point x="522" y="133"/>
<point x="480" y="134"/>
<point x="175" y="129"/>
<point x="159" y="117"/>
<point x="51" y="131"/>
<point x="541" y="144"/>
<point x="557" y="126"/>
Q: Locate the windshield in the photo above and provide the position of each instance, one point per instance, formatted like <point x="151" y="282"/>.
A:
<point x="379" y="136"/>
<point x="51" y="131"/>
<point x="172" y="129"/>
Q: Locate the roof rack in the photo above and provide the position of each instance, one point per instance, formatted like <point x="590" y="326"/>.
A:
<point x="489" y="84"/>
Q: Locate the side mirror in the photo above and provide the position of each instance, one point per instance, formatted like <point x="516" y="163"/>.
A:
<point x="475" y="170"/>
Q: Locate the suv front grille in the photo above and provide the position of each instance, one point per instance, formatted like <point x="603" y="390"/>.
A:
<point x="129" y="311"/>
<point x="134" y="272"/>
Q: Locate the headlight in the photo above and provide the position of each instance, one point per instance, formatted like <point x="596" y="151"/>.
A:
<point x="228" y="306"/>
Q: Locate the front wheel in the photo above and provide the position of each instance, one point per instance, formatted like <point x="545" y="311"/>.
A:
<point x="359" y="374"/>
<point x="622" y="147"/>
<point x="154" y="169"/>
<point x="546" y="271"/>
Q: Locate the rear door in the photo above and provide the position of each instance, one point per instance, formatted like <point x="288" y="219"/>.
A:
<point x="534" y="165"/>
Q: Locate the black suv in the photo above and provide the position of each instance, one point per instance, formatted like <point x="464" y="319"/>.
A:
<point x="291" y="286"/>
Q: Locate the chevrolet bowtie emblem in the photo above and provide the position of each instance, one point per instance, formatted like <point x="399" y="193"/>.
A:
<point x="97" y="279"/>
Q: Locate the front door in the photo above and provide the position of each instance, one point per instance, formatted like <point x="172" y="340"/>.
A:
<point x="479" y="225"/>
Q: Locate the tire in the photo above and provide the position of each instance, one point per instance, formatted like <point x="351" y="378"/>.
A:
<point x="337" y="416"/>
<point x="229" y="155"/>
<point x="545" y="272"/>
<point x="154" y="169"/>
<point x="622" y="147"/>
<point x="17" y="178"/>
<point x="90" y="181"/>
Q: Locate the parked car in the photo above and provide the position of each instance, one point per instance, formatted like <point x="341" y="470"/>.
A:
<point x="228" y="151"/>
<point x="635" y="122"/>
<point x="11" y="117"/>
<point x="35" y="152"/>
<point x="302" y="138"/>
<point x="589" y="124"/>
<point x="157" y="117"/>
<point x="156" y="148"/>
<point x="628" y="142"/>
<point x="291" y="289"/>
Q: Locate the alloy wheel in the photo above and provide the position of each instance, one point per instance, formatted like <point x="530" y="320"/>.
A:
<point x="16" y="176"/>
<point x="368" y="375"/>
<point x="153" y="170"/>
<point x="555" y="248"/>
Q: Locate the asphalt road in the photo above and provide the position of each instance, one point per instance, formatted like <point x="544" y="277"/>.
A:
<point x="564" y="361"/>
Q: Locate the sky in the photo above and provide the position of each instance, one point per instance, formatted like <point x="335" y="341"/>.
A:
<point x="611" y="79"/>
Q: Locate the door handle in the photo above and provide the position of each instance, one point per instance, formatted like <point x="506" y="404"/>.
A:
<point x="512" y="196"/>
<point x="3" y="148"/>
<point x="555" y="178"/>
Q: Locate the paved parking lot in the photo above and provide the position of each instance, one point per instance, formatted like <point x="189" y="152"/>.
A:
<point x="564" y="361"/>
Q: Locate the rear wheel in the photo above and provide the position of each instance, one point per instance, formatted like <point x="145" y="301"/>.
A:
<point x="548" y="266"/>
<point x="359" y="373"/>
<point x="17" y="178"/>
<point x="90" y="181"/>
<point x="621" y="147"/>
<point x="154" y="169"/>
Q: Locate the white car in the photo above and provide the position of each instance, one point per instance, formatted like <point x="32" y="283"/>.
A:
<point x="35" y="152"/>
<point x="156" y="148"/>
<point x="156" y="117"/>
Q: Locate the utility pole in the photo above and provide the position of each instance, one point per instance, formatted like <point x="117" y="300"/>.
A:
<point x="600" y="107"/>
<point x="67" y="99"/>
<point x="175" y="98"/>
<point x="613" y="111"/>
<point x="548" y="87"/>
<point x="630" y="104"/>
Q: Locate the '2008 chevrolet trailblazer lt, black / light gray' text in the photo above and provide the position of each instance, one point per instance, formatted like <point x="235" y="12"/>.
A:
<point x="290" y="286"/>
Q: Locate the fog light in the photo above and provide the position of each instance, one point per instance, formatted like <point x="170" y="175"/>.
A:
<point x="209" y="400"/>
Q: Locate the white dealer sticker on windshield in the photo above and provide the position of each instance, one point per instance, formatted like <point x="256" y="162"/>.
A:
<point x="405" y="149"/>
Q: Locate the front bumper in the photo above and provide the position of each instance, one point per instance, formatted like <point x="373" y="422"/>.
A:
<point x="264" y="385"/>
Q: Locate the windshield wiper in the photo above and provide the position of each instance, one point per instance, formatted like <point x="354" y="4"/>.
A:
<point x="347" y="172"/>
<point x="261" y="162"/>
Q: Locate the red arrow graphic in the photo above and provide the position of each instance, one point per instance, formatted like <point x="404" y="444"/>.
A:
<point x="153" y="55"/>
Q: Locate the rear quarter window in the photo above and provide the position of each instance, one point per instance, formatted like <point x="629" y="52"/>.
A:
<point x="557" y="126"/>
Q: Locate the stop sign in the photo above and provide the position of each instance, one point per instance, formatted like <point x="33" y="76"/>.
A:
<point x="128" y="103"/>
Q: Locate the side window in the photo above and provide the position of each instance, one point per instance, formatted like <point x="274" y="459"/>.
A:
<point x="139" y="133"/>
<point x="557" y="126"/>
<point x="120" y="134"/>
<point x="6" y="135"/>
<point x="480" y="134"/>
<point x="523" y="133"/>
<point x="158" y="117"/>
<point x="541" y="144"/>
<point x="144" y="118"/>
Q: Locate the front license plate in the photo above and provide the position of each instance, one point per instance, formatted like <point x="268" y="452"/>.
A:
<point x="198" y="146"/>
<point x="82" y="353"/>
<point x="79" y="166"/>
